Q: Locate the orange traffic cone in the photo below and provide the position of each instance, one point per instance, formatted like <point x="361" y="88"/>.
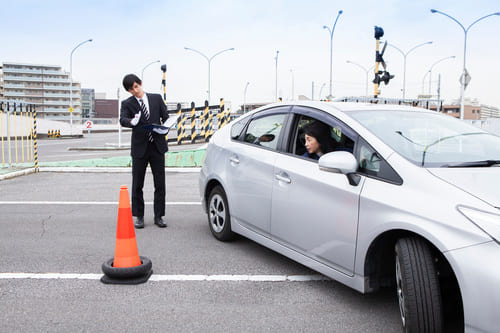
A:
<point x="126" y="267"/>
<point x="126" y="253"/>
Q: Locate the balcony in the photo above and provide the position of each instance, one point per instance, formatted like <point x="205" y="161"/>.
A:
<point x="63" y="103"/>
<point x="65" y="88"/>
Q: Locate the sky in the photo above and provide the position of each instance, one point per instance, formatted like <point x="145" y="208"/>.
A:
<point x="129" y="35"/>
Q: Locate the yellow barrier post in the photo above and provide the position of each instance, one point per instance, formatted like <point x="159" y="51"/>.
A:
<point x="15" y="130"/>
<point x="204" y="121"/>
<point x="35" y="149"/>
<point x="179" y="124"/>
<point x="22" y="136"/>
<point x="28" y="147"/>
<point x="193" y="123"/>
<point x="1" y="132"/>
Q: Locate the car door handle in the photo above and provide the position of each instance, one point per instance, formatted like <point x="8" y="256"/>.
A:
<point x="234" y="160"/>
<point x="283" y="178"/>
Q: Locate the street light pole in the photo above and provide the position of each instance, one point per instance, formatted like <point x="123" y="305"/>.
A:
<point x="331" y="31"/>
<point x="430" y="71"/>
<point x="293" y="84"/>
<point x="209" y="60"/>
<point x="464" y="70"/>
<point x="321" y="90"/>
<point x="276" y="79"/>
<point x="366" y="73"/>
<point x="245" y="98"/>
<point x="71" y="84"/>
<point x="142" y="73"/>
<point x="404" y="62"/>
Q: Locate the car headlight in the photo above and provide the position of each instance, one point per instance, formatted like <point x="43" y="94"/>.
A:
<point x="488" y="222"/>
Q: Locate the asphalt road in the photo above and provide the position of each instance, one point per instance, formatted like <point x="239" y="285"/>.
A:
<point x="66" y="223"/>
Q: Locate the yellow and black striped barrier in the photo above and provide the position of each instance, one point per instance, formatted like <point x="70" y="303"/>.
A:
<point x="200" y="123"/>
<point x="18" y="127"/>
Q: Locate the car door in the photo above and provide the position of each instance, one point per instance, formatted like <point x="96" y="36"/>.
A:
<point x="250" y="170"/>
<point x="315" y="212"/>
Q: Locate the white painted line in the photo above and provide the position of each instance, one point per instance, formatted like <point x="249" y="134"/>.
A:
<point x="171" y="203"/>
<point x="158" y="277"/>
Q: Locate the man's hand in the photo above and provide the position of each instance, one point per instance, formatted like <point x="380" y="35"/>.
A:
<point x="135" y="120"/>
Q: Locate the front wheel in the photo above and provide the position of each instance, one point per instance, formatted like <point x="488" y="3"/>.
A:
<point x="418" y="289"/>
<point x="219" y="219"/>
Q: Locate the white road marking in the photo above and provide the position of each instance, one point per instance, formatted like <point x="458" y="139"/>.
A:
<point x="172" y="203"/>
<point x="159" y="277"/>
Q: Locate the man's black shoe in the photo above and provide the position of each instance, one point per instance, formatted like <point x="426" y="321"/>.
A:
<point x="159" y="222"/>
<point x="139" y="222"/>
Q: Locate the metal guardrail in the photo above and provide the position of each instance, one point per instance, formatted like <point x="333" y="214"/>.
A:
<point x="18" y="125"/>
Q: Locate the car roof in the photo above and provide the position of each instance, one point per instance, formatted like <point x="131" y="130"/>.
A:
<point x="353" y="106"/>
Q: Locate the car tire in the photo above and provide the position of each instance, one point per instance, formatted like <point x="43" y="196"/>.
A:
<point x="417" y="286"/>
<point x="219" y="219"/>
<point x="127" y="272"/>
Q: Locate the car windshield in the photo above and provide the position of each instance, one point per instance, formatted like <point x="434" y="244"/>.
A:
<point x="432" y="139"/>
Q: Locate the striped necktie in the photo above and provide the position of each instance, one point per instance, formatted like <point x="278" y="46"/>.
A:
<point x="146" y="116"/>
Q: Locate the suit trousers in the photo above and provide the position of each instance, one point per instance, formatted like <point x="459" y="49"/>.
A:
<point x="139" y="165"/>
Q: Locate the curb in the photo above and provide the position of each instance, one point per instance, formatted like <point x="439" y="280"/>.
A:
<point x="93" y="170"/>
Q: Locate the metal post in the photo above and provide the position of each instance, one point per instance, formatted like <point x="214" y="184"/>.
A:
<point x="8" y="134"/>
<point x="331" y="31"/>
<point x="245" y="98"/>
<point x="276" y="74"/>
<point x="438" y="108"/>
<point x="464" y="70"/>
<point x="209" y="60"/>
<point x="404" y="62"/>
<point x="71" y="84"/>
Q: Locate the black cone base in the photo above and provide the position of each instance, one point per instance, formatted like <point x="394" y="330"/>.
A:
<point x="136" y="280"/>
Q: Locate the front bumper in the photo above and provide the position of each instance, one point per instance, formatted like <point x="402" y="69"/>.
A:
<point x="477" y="270"/>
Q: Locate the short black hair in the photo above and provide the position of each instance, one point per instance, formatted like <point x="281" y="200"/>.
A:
<point x="129" y="79"/>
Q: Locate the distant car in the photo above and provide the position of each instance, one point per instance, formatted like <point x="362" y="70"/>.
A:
<point x="404" y="197"/>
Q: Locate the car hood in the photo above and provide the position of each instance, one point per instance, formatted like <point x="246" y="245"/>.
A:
<point x="483" y="183"/>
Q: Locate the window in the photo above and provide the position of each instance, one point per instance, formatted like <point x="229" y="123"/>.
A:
<point x="329" y="134"/>
<point x="238" y="127"/>
<point x="371" y="164"/>
<point x="265" y="131"/>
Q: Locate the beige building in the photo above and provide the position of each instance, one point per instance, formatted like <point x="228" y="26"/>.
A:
<point x="46" y="86"/>
<point x="473" y="110"/>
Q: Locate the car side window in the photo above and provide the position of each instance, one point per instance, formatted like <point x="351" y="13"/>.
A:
<point x="371" y="164"/>
<point x="330" y="136"/>
<point x="265" y="131"/>
<point x="237" y="128"/>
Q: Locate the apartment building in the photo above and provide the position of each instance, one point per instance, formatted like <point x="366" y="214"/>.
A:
<point x="46" y="86"/>
<point x="88" y="103"/>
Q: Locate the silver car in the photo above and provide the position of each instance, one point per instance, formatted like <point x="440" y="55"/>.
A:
<point x="399" y="196"/>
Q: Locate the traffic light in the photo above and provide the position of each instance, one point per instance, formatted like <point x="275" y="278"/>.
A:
<point x="386" y="77"/>
<point x="379" y="32"/>
<point x="380" y="76"/>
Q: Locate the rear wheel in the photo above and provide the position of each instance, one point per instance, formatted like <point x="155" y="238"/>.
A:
<point x="219" y="219"/>
<point x="418" y="289"/>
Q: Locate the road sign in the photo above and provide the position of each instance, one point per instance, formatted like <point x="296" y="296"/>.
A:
<point x="71" y="109"/>
<point x="465" y="78"/>
<point x="89" y="124"/>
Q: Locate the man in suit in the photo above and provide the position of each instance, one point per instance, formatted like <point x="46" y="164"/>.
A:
<point x="146" y="146"/>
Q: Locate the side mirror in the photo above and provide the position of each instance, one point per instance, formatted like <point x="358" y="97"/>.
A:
<point x="338" y="162"/>
<point x="341" y="162"/>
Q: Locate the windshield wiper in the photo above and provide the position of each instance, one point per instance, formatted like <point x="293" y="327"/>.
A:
<point x="473" y="164"/>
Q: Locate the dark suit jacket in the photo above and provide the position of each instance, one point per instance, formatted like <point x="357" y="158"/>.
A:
<point x="157" y="115"/>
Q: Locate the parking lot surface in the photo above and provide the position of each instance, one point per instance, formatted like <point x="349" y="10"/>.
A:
<point x="65" y="223"/>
